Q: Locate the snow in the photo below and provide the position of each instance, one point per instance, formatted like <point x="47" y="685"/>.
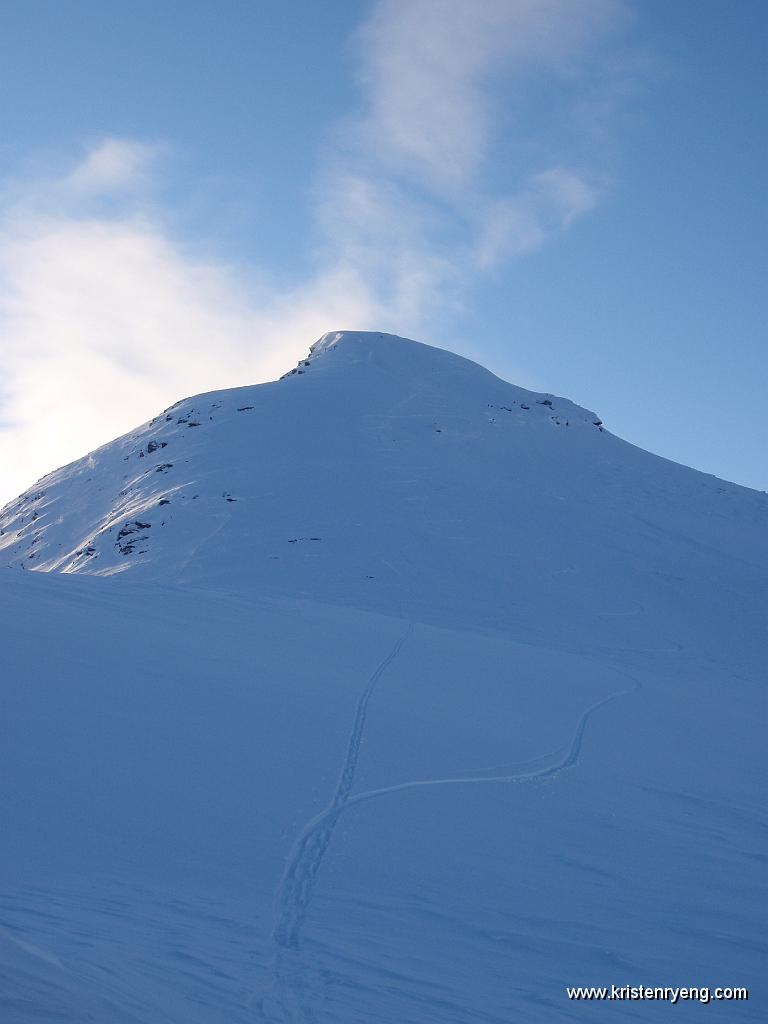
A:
<point x="414" y="704"/>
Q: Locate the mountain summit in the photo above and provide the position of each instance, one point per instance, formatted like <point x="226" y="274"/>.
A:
<point x="380" y="472"/>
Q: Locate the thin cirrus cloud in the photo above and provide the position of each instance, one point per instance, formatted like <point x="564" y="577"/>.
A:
<point x="115" y="164"/>
<point x="431" y="64"/>
<point x="105" y="316"/>
<point x="420" y="188"/>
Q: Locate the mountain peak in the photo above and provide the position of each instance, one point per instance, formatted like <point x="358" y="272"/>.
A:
<point x="359" y="340"/>
<point x="401" y="357"/>
<point x="376" y="472"/>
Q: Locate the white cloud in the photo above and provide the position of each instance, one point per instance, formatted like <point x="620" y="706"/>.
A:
<point x="428" y="64"/>
<point x="114" y="165"/>
<point x="571" y="193"/>
<point x="372" y="228"/>
<point x="408" y="196"/>
<point x="514" y="225"/>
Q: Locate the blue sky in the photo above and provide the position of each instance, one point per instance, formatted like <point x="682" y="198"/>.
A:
<point x="572" y="194"/>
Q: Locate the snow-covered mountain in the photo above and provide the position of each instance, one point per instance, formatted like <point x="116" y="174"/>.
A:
<point x="369" y="446"/>
<point x="388" y="691"/>
<point x="382" y="473"/>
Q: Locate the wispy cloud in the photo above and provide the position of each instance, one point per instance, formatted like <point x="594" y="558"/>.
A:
<point x="114" y="165"/>
<point x="424" y="187"/>
<point x="430" y="67"/>
<point x="105" y="316"/>
<point x="549" y="203"/>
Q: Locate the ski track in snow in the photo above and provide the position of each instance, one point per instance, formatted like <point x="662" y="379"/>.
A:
<point x="306" y="857"/>
<point x="297" y="886"/>
<point x="568" y="760"/>
<point x="298" y="882"/>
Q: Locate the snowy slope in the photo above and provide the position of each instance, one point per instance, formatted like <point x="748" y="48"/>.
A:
<point x="170" y="766"/>
<point x="499" y="730"/>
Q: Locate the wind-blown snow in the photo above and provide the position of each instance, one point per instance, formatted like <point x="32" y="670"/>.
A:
<point x="409" y="695"/>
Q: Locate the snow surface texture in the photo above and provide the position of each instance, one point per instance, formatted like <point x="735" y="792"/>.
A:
<point x="385" y="692"/>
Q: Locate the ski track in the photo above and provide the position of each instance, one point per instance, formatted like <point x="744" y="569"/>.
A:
<point x="297" y="885"/>
<point x="304" y="861"/>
